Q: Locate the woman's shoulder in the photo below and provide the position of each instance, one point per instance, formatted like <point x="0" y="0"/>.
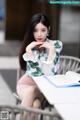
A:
<point x="55" y="42"/>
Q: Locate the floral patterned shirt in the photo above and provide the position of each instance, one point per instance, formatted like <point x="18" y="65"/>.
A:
<point x="35" y="65"/>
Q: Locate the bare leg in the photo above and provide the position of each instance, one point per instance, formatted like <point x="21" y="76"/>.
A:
<point x="36" y="104"/>
<point x="30" y="96"/>
<point x="30" y="100"/>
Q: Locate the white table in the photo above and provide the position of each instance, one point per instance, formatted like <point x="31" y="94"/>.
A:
<point x="65" y="100"/>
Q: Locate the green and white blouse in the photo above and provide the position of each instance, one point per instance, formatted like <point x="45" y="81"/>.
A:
<point x="35" y="65"/>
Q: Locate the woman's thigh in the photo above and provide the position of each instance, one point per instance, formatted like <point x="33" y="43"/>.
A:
<point x="24" y="89"/>
<point x="25" y="79"/>
<point x="29" y="93"/>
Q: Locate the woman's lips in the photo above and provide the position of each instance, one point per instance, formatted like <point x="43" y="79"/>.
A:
<point x="40" y="39"/>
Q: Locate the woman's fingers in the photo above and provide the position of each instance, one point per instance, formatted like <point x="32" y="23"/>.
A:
<point x="46" y="45"/>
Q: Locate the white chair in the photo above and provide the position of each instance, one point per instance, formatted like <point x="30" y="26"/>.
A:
<point x="14" y="112"/>
<point x="69" y="63"/>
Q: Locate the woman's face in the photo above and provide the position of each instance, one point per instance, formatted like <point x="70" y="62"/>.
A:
<point x="40" y="32"/>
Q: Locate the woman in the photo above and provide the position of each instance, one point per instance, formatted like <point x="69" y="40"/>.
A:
<point x="37" y="53"/>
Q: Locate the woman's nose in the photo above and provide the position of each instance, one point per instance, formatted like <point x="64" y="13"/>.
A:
<point x="39" y="33"/>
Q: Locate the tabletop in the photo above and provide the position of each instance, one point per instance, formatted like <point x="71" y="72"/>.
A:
<point x="66" y="100"/>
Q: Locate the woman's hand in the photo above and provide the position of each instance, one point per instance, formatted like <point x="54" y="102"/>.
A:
<point x="31" y="46"/>
<point x="46" y="45"/>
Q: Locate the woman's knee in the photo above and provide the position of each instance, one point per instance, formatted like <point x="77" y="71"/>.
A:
<point x="36" y="103"/>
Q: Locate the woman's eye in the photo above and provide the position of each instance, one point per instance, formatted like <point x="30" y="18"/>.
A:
<point x="43" y="30"/>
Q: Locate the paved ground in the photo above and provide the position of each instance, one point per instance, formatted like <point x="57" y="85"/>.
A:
<point x="6" y="96"/>
<point x="7" y="77"/>
<point x="10" y="48"/>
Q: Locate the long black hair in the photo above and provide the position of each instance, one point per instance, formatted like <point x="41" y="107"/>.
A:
<point x="28" y="38"/>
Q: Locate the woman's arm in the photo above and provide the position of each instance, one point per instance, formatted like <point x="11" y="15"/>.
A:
<point x="28" y="55"/>
<point x="51" y="51"/>
<point x="31" y="46"/>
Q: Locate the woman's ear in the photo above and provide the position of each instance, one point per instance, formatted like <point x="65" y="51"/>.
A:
<point x="48" y="31"/>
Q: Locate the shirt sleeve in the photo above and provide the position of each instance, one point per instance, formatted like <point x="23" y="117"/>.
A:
<point x="58" y="46"/>
<point x="28" y="57"/>
<point x="52" y="66"/>
<point x="33" y="66"/>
